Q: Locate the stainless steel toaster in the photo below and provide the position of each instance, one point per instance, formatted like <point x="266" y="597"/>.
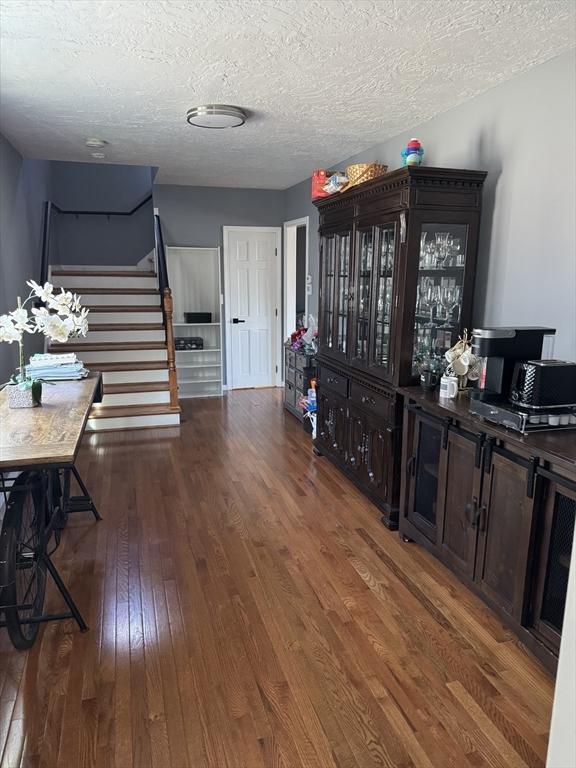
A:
<point x="544" y="384"/>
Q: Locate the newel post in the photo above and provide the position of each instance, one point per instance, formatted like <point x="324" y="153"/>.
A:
<point x="172" y="377"/>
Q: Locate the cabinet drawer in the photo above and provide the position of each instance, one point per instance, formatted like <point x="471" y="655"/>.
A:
<point x="290" y="394"/>
<point x="333" y="381"/>
<point x="302" y="361"/>
<point x="301" y="381"/>
<point x="290" y="375"/>
<point x="289" y="358"/>
<point x="371" y="401"/>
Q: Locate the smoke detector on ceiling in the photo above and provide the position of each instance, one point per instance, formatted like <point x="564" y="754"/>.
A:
<point x="216" y="116"/>
<point x="98" y="155"/>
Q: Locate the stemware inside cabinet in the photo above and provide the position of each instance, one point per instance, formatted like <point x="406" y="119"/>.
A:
<point x="397" y="268"/>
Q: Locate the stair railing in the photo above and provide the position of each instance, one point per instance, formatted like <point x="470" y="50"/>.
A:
<point x="51" y="208"/>
<point x="167" y="309"/>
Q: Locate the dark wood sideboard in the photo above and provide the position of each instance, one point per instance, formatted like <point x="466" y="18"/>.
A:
<point x="495" y="506"/>
<point x="375" y="276"/>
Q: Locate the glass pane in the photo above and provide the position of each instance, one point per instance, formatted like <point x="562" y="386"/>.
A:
<point x="427" y="472"/>
<point x="439" y="289"/>
<point x="366" y="255"/>
<point x="343" y="278"/>
<point x="328" y="288"/>
<point x="384" y="295"/>
<point x="556" y="585"/>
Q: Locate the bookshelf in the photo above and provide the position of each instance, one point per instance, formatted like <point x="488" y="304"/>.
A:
<point x="195" y="280"/>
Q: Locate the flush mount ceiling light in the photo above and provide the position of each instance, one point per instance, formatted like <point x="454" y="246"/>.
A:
<point x="216" y="116"/>
<point x="96" y="143"/>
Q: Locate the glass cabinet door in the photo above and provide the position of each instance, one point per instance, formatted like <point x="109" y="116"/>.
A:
<point x="327" y="293"/>
<point x="343" y="274"/>
<point x="384" y="297"/>
<point x="439" y="289"/>
<point x="365" y="260"/>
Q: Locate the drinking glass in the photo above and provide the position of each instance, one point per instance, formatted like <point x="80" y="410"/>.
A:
<point x="432" y="298"/>
<point x="442" y="239"/>
<point x="447" y="297"/>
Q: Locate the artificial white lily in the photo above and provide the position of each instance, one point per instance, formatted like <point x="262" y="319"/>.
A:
<point x="63" y="318"/>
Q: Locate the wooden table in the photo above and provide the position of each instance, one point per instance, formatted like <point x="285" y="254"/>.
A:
<point x="50" y="434"/>
<point x="40" y="445"/>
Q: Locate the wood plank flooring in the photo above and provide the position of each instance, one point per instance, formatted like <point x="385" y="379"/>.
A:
<point x="248" y="610"/>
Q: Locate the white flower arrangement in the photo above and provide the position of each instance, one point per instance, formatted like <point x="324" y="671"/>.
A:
<point x="60" y="319"/>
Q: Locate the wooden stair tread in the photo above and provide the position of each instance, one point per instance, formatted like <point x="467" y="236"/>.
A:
<point x="117" y="411"/>
<point x="114" y="291"/>
<point x="142" y="365"/>
<point x="122" y="308"/>
<point x="145" y="386"/>
<point x="127" y="327"/>
<point x="106" y="346"/>
<point x="103" y="273"/>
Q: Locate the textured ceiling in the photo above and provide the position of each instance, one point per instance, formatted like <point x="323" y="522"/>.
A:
<point x="324" y="79"/>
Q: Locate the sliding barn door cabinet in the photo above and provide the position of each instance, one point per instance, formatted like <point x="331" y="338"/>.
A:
<point x="496" y="508"/>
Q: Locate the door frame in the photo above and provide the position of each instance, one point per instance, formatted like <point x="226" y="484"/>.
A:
<point x="289" y="267"/>
<point x="277" y="299"/>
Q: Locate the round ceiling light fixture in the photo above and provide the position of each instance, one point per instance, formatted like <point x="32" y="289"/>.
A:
<point x="216" y="116"/>
<point x="96" y="143"/>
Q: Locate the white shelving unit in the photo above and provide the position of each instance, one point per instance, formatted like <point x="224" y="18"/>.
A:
<point x="195" y="280"/>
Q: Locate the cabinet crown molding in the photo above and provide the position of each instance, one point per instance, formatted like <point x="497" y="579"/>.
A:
<point x="409" y="177"/>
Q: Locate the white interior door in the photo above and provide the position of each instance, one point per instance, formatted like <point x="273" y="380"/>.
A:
<point x="251" y="256"/>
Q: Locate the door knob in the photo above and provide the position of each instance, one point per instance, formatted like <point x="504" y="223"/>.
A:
<point x="235" y="320"/>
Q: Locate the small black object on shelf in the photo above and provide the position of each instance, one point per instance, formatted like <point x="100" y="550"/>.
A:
<point x="197" y="317"/>
<point x="182" y="343"/>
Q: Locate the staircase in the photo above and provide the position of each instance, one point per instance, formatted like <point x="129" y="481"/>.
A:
<point x="127" y="342"/>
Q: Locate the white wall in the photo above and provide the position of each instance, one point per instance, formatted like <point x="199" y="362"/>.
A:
<point x="523" y="133"/>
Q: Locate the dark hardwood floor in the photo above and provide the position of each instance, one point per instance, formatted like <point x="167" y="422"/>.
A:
<point x="248" y="610"/>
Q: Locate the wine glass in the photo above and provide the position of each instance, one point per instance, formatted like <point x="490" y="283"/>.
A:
<point x="432" y="299"/>
<point x="442" y="239"/>
<point x="450" y="300"/>
<point x="447" y="299"/>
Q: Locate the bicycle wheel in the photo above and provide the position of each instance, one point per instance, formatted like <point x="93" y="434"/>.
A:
<point x="22" y="571"/>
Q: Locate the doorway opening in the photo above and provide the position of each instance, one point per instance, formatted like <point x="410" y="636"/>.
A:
<point x="297" y="284"/>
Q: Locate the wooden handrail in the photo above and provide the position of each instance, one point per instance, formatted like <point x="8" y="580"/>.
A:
<point x="168" y="308"/>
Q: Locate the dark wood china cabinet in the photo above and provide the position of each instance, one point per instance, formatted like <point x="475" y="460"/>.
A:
<point x="397" y="268"/>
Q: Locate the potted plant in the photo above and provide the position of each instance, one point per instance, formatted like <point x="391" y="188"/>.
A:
<point x="59" y="317"/>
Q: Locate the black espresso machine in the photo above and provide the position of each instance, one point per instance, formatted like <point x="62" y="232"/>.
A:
<point x="516" y="386"/>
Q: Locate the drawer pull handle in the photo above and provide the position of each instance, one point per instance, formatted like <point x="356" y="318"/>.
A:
<point x="366" y="399"/>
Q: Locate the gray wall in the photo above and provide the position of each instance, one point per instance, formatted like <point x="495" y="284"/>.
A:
<point x="194" y="216"/>
<point x="24" y="186"/>
<point x="522" y="132"/>
<point x="85" y="239"/>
